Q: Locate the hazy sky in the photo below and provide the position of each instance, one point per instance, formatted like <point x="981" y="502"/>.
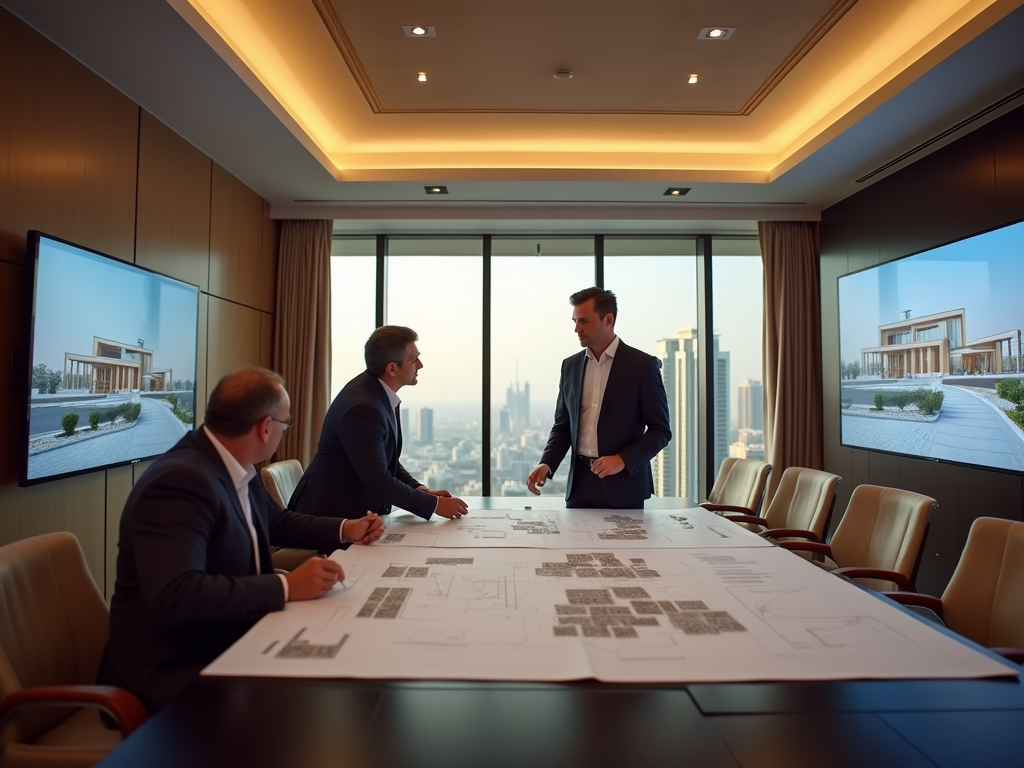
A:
<point x="983" y="275"/>
<point x="80" y="295"/>
<point x="531" y="318"/>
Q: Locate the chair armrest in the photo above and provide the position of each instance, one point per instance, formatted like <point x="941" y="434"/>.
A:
<point x="751" y="519"/>
<point x="119" y="703"/>
<point x="807" y="546"/>
<point x="774" y="533"/>
<point x="1015" y="655"/>
<point x="877" y="573"/>
<point x="916" y="598"/>
<point x="726" y="508"/>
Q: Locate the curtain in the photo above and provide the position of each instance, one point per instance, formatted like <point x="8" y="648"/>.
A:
<point x="793" y="421"/>
<point x="302" y="337"/>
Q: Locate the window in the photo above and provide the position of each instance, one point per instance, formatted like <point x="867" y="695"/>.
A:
<point x="353" y="294"/>
<point x="434" y="286"/>
<point x="737" y="299"/>
<point x="531" y="333"/>
<point x="655" y="283"/>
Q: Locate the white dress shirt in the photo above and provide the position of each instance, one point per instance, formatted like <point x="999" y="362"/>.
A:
<point x="395" y="401"/>
<point x="595" y="381"/>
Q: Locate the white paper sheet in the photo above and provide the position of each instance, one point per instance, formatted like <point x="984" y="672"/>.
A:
<point x="619" y="615"/>
<point x="574" y="529"/>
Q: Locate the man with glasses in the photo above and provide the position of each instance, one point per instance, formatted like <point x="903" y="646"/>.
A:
<point x="193" y="563"/>
<point x="357" y="466"/>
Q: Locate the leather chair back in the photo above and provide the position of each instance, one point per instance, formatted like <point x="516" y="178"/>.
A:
<point x="985" y="597"/>
<point x="882" y="528"/>
<point x="740" y="483"/>
<point x="53" y="629"/>
<point x="280" y="478"/>
<point x="803" y="500"/>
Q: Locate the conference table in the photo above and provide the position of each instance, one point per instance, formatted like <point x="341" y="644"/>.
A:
<point x="274" y="721"/>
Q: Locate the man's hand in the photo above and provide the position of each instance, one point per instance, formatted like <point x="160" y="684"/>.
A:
<point x="313" y="579"/>
<point x="451" y="507"/>
<point x="536" y="479"/>
<point x="364" y="530"/>
<point x="608" y="465"/>
<point x="443" y="494"/>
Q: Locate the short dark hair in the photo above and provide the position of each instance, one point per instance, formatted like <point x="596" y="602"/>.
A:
<point x="242" y="398"/>
<point x="387" y="345"/>
<point x="604" y="301"/>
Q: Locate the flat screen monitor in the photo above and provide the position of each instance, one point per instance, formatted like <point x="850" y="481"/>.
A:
<point x="930" y="353"/>
<point x="112" y="362"/>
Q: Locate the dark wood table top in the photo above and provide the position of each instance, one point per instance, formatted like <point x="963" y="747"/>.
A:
<point x="264" y="722"/>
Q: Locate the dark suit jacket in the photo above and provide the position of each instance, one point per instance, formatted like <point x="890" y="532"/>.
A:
<point x="356" y="468"/>
<point x="187" y="586"/>
<point x="633" y="423"/>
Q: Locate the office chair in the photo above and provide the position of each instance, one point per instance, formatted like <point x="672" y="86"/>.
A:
<point x="801" y="506"/>
<point x="739" y="486"/>
<point x="879" y="538"/>
<point x="53" y="629"/>
<point x="984" y="600"/>
<point x="280" y="479"/>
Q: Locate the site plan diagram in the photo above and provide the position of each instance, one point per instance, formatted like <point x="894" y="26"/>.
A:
<point x="615" y="614"/>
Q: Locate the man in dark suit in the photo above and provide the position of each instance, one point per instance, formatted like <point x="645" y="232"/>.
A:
<point x="611" y="414"/>
<point x="357" y="465"/>
<point x="193" y="563"/>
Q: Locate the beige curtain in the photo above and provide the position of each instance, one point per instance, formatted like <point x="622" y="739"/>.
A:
<point x="792" y="347"/>
<point x="302" y="332"/>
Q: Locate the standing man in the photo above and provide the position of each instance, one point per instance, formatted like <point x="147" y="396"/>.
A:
<point x="357" y="466"/>
<point x="611" y="414"/>
<point x="193" y="561"/>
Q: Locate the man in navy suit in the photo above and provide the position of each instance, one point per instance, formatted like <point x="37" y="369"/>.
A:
<point x="193" y="562"/>
<point x="357" y="466"/>
<point x="611" y="414"/>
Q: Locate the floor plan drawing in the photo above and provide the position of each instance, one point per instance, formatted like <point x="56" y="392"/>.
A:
<point x="615" y="614"/>
<point x="573" y="529"/>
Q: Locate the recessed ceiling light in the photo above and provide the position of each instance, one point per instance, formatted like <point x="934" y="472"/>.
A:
<point x="716" y="33"/>
<point x="563" y="74"/>
<point x="419" y="30"/>
<point x="692" y="79"/>
<point x="421" y="76"/>
<point x="676" y="191"/>
<point x="436" y="190"/>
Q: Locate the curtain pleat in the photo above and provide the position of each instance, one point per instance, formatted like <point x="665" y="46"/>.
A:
<point x="793" y="422"/>
<point x="302" y="336"/>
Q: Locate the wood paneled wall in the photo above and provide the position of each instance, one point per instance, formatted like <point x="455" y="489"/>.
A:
<point x="971" y="185"/>
<point x="81" y="161"/>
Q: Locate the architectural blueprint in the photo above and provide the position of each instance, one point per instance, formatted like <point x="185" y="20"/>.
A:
<point x="615" y="614"/>
<point x="573" y="529"/>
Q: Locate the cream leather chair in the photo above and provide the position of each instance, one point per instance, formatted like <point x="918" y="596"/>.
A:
<point x="984" y="600"/>
<point x="280" y="478"/>
<point x="801" y="506"/>
<point x="53" y="629"/>
<point x="879" y="538"/>
<point x="739" y="486"/>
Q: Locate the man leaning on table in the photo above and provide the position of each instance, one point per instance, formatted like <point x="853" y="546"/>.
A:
<point x="611" y="414"/>
<point x="193" y="562"/>
<point x="358" y="465"/>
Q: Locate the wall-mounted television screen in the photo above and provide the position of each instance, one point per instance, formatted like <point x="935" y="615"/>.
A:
<point x="930" y="353"/>
<point x="112" y="362"/>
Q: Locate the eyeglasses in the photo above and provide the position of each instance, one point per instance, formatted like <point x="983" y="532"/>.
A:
<point x="285" y="425"/>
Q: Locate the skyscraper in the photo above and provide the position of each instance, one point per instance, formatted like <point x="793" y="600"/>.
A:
<point x="676" y="467"/>
<point x="426" y="426"/>
<point x="750" y="405"/>
<point x="518" y="403"/>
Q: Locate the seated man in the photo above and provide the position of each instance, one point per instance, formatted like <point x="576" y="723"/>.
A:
<point x="357" y="466"/>
<point x="193" y="563"/>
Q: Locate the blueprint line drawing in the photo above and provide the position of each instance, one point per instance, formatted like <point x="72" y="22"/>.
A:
<point x="613" y="614"/>
<point x="694" y="528"/>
